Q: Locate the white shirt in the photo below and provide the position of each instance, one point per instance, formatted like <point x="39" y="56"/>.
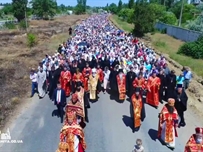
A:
<point x="58" y="96"/>
<point x="33" y="77"/>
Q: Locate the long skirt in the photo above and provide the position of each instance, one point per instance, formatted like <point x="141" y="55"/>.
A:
<point x="41" y="90"/>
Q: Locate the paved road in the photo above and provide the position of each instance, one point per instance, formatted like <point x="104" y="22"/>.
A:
<point x="108" y="131"/>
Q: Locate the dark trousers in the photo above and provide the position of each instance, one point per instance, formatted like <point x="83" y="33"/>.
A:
<point x="34" y="88"/>
<point x="181" y="114"/>
<point x="60" y="111"/>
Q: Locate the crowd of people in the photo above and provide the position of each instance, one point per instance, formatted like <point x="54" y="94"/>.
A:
<point x="100" y="58"/>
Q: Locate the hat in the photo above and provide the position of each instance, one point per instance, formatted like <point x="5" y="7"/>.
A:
<point x="153" y="72"/>
<point x="74" y="97"/>
<point x="171" y="102"/>
<point x="137" y="90"/>
<point x="199" y="130"/>
<point x="179" y="86"/>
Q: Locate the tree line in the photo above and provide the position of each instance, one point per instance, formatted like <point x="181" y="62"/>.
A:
<point x="44" y="9"/>
<point x="144" y="14"/>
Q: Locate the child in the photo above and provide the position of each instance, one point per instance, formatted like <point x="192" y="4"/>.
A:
<point x="138" y="147"/>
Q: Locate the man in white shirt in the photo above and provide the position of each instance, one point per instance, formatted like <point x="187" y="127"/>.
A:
<point x="33" y="77"/>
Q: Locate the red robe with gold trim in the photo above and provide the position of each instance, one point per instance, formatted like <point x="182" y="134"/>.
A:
<point x="67" y="135"/>
<point x="67" y="83"/>
<point x="139" y="83"/>
<point x="137" y="108"/>
<point x="153" y="94"/>
<point x="169" y="119"/>
<point x="86" y="73"/>
<point x="121" y="86"/>
<point x="78" y="77"/>
<point x="192" y="146"/>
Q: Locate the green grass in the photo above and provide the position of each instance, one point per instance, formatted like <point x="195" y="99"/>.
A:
<point x="166" y="45"/>
<point x="121" y="24"/>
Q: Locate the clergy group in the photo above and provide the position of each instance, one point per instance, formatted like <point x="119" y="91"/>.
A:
<point x="98" y="58"/>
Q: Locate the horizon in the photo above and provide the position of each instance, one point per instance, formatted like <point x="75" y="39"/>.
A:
<point x="91" y="3"/>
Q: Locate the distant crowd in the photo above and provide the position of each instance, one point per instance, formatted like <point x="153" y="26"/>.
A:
<point x="99" y="58"/>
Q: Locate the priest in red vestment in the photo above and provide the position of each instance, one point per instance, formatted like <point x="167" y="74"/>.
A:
<point x="137" y="108"/>
<point x="66" y="80"/>
<point x="86" y="73"/>
<point x="121" y="81"/>
<point x="195" y="143"/>
<point x="153" y="90"/>
<point x="77" y="77"/>
<point x="168" y="122"/>
<point x="139" y="82"/>
<point x="72" y="138"/>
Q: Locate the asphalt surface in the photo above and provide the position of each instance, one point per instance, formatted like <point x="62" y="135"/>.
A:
<point x="108" y="130"/>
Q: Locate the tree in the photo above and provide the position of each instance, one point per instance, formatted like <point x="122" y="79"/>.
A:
<point x="80" y="7"/>
<point x="120" y="3"/>
<point x="187" y="11"/>
<point x="7" y="9"/>
<point x="168" y="18"/>
<point x="127" y="14"/>
<point x="113" y="8"/>
<point x="19" y="8"/>
<point x="145" y="18"/>
<point x="44" y="8"/>
<point x="131" y="4"/>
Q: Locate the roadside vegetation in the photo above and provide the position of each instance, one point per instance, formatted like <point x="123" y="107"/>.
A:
<point x="166" y="45"/>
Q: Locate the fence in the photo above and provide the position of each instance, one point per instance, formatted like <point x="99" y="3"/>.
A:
<point x="179" y="33"/>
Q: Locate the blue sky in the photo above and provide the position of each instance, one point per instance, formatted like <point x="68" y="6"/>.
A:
<point x="74" y="2"/>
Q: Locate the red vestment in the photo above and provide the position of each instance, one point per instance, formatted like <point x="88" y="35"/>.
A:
<point x="139" y="83"/>
<point x="78" y="77"/>
<point x="86" y="73"/>
<point x="121" y="81"/>
<point x="169" y="119"/>
<point x="67" y="84"/>
<point x="153" y="94"/>
<point x="68" y="132"/>
<point x="61" y="79"/>
<point x="137" y="108"/>
<point x="101" y="75"/>
<point x="192" y="146"/>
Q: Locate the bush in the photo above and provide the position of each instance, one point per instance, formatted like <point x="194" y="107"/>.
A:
<point x="193" y="49"/>
<point x="31" y="39"/>
<point x="22" y="25"/>
<point x="168" y="18"/>
<point x="10" y="25"/>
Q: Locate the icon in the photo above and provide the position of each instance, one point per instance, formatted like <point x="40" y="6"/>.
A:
<point x="5" y="136"/>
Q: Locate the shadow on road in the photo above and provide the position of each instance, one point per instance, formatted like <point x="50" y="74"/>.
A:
<point x="153" y="135"/>
<point x="128" y="121"/>
<point x="56" y="113"/>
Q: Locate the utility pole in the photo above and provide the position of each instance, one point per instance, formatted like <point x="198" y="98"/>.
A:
<point x="26" y="17"/>
<point x="181" y="14"/>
